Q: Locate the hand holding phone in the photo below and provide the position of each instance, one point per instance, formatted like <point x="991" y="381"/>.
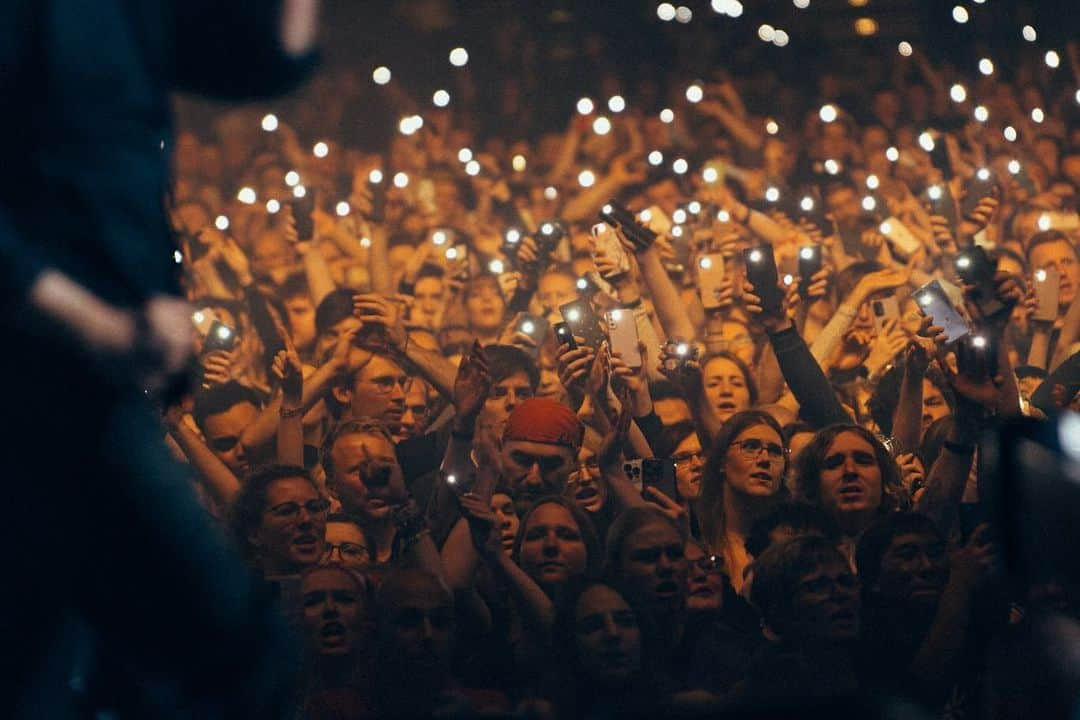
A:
<point x="934" y="302"/>
<point x="1047" y="294"/>
<point x="608" y="246"/>
<point x="975" y="268"/>
<point x="564" y="335"/>
<point x="710" y="272"/>
<point x="623" y="334"/>
<point x="810" y="264"/>
<point x="619" y="216"/>
<point x="761" y="272"/>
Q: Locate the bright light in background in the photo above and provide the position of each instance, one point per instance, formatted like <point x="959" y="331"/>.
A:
<point x="320" y="150"/>
<point x="550" y="193"/>
<point x="958" y="93"/>
<point x="459" y="57"/>
<point x="656" y="158"/>
<point x="832" y="167"/>
<point x="1014" y="167"/>
<point x="1052" y="59"/>
<point x="381" y="75"/>
<point x="771" y="127"/>
<point x="960" y="14"/>
<point x="601" y="125"/>
<point x="665" y="11"/>
<point x="904" y="48"/>
<point x="1044" y="222"/>
<point x="299" y="191"/>
<point x="375" y="176"/>
<point x="401" y="180"/>
<point x="872" y="182"/>
<point x="766" y="32"/>
<point x="694" y="93"/>
<point x="464" y="155"/>
<point x="519" y="163"/>
<point x="1010" y="133"/>
<point x="801" y="4"/>
<point x="731" y="8"/>
<point x="1029" y="33"/>
<point x="441" y="98"/>
<point x="865" y="26"/>
<point x="827" y="113"/>
<point x="986" y="66"/>
<point x="586" y="178"/>
<point x="269" y="122"/>
<point x="584" y="106"/>
<point x="221" y="222"/>
<point x="178" y="257"/>
<point x="616" y="103"/>
<point x="680" y="166"/>
<point x="342" y="209"/>
<point x="272" y="206"/>
<point x="892" y="154"/>
<point x="292" y="178"/>
<point x="472" y="168"/>
<point x="926" y="141"/>
<point x="1077" y="96"/>
<point x="981" y="113"/>
<point x="710" y="175"/>
<point x="246" y="195"/>
<point x="780" y="39"/>
<point x="772" y="194"/>
<point x="667" y="115"/>
<point x="410" y="124"/>
<point x="1037" y="115"/>
<point x="683" y="14"/>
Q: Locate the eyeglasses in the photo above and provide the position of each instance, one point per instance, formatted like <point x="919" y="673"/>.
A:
<point x="385" y="385"/>
<point x="687" y="457"/>
<point x="223" y="444"/>
<point x="347" y="550"/>
<point x="290" y="510"/>
<point x="752" y="447"/>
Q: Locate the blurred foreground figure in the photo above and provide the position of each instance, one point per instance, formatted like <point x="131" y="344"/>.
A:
<point x="92" y="321"/>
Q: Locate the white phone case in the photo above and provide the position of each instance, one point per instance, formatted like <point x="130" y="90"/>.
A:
<point x="710" y="272"/>
<point x="623" y="334"/>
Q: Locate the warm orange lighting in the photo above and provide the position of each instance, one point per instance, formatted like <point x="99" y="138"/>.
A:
<point x="858" y="3"/>
<point x="866" y="26"/>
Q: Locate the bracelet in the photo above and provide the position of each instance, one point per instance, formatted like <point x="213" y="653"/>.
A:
<point x="959" y="448"/>
<point x="291" y="412"/>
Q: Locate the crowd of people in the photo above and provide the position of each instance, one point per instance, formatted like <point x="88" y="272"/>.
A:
<point x="679" y="407"/>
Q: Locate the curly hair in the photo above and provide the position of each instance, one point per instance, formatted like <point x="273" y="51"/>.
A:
<point x="812" y="458"/>
<point x="247" y="510"/>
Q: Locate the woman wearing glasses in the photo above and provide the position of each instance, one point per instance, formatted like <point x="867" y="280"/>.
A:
<point x="743" y="478"/>
<point x="279" y="520"/>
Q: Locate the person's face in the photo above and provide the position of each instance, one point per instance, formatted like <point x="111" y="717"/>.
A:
<point x="851" y="480"/>
<point x="583" y="485"/>
<point x="506" y="395"/>
<point x="672" y="410"/>
<point x="725" y="388"/>
<point x="555" y="289"/>
<point x="754" y="465"/>
<point x="536" y="469"/>
<point x="1061" y="256"/>
<point x="827" y="603"/>
<point x="430" y="297"/>
<point x="378" y="391"/>
<point x="346" y="544"/>
<point x="552" y="548"/>
<point x="607" y="635"/>
<point x="291" y="532"/>
<point x="329" y="339"/>
<point x="933" y="404"/>
<point x="223" y="433"/>
<point x="359" y="463"/>
<point x="914" y="570"/>
<point x="419" y="627"/>
<point x="333" y="612"/>
<point x="844" y="205"/>
<point x="506" y="518"/>
<point x="705" y="580"/>
<point x="737" y="340"/>
<point x="414" y="421"/>
<point x="653" y="562"/>
<point x="689" y="466"/>
<point x="484" y="306"/>
<point x="301" y="313"/>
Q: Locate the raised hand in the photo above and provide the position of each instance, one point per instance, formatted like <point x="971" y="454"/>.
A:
<point x="385" y="312"/>
<point x="289" y="371"/>
<point x="472" y="384"/>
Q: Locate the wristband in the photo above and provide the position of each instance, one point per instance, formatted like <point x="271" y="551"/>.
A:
<point x="959" y="448"/>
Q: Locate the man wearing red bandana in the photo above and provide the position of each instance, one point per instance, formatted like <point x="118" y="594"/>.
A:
<point x="541" y="439"/>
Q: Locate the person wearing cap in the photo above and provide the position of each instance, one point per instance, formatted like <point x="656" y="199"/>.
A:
<point x="541" y="440"/>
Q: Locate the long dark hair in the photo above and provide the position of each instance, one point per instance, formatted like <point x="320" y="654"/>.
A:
<point x="812" y="458"/>
<point x="585" y="527"/>
<point x="711" y="501"/>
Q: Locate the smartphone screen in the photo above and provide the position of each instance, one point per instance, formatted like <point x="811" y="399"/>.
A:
<point x="810" y="264"/>
<point x="941" y="202"/>
<point x="1047" y="292"/>
<point x="974" y="267"/>
<point x="535" y="327"/>
<point x="623" y="334"/>
<point x="710" y="272"/>
<point x="219" y="337"/>
<point x="761" y="271"/>
<point x="934" y="302"/>
<point x="981" y="186"/>
<point x="583" y="321"/>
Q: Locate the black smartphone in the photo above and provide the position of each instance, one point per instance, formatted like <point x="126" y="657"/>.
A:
<point x="810" y="264"/>
<point x="812" y="209"/>
<point x="583" y="322"/>
<point x="981" y="186"/>
<point x="660" y="474"/>
<point x="565" y="335"/>
<point x="941" y="202"/>
<point x="535" y="327"/>
<point x="219" y="337"/>
<point x="302" y="208"/>
<point x="619" y="216"/>
<point x="547" y="238"/>
<point x="975" y="267"/>
<point x="982" y="353"/>
<point x="761" y="271"/>
<point x="934" y="301"/>
<point x="512" y="241"/>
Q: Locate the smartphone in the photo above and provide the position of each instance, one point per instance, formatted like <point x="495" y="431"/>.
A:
<point x="975" y="267"/>
<point x="761" y="271"/>
<point x="655" y="219"/>
<point x="547" y="238"/>
<point x="812" y="210"/>
<point x="632" y="468"/>
<point x="1047" y="291"/>
<point x="934" y="302"/>
<point x="535" y="327"/>
<point x="442" y="237"/>
<point x="1023" y="179"/>
<point x="583" y="321"/>
<point x="639" y="236"/>
<point x="981" y="186"/>
<point x="980" y="353"/>
<point x="710" y="272"/>
<point x="302" y="208"/>
<point x="607" y="243"/>
<point x="681" y="239"/>
<point x="810" y="264"/>
<point x="679" y="353"/>
<point x="565" y="336"/>
<point x="219" y="337"/>
<point x="941" y="202"/>
<point x="1063" y="220"/>
<point x="660" y="474"/>
<point x="884" y="309"/>
<point x="623" y="335"/>
<point x="459" y="483"/>
<point x="900" y="237"/>
<point x="512" y="241"/>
